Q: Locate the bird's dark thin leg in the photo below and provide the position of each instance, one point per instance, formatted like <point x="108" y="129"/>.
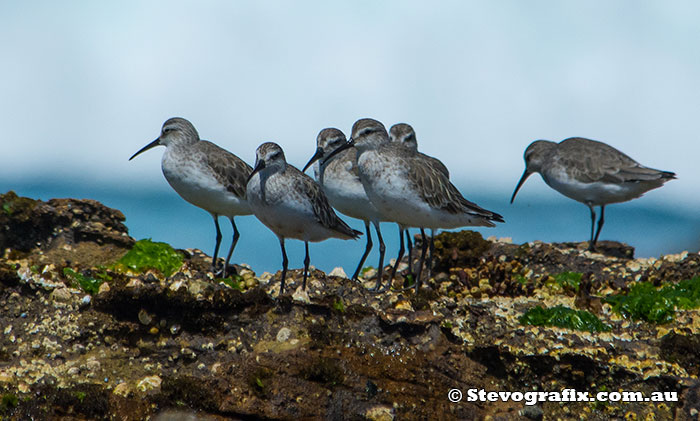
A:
<point x="382" y="249"/>
<point x="590" y="243"/>
<point x="601" y="221"/>
<point x="236" y="235"/>
<point x="398" y="258"/>
<point x="409" y="246"/>
<point x="432" y="253"/>
<point x="307" y="260"/>
<point x="364" y="255"/>
<point x="424" y="248"/>
<point x="218" y="241"/>
<point x="285" y="261"/>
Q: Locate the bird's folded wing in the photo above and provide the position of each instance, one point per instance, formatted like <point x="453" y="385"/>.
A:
<point x="433" y="187"/>
<point x="229" y="169"/>
<point x="612" y="168"/>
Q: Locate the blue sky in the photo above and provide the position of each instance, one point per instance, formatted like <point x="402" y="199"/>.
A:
<point x="84" y="84"/>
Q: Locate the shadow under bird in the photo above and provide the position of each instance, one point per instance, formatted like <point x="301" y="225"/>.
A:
<point x="291" y="204"/>
<point x="403" y="134"/>
<point x="340" y="182"/>
<point x="205" y="175"/>
<point x="406" y="190"/>
<point x="590" y="172"/>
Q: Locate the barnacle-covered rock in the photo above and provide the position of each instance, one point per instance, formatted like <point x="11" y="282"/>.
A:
<point x="149" y="338"/>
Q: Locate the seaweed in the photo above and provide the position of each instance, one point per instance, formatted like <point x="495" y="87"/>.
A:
<point x="646" y="302"/>
<point x="8" y="401"/>
<point x="569" y="280"/>
<point x="86" y="283"/>
<point x="564" y="317"/>
<point x="233" y="281"/>
<point x="338" y="305"/>
<point x="147" y="254"/>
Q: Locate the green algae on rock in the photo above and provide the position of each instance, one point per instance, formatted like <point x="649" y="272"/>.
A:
<point x="86" y="283"/>
<point x="7" y="402"/>
<point x="338" y="305"/>
<point x="12" y="203"/>
<point x="569" y="279"/>
<point x="564" y="317"/>
<point x="147" y="254"/>
<point x="656" y="305"/>
<point x="233" y="281"/>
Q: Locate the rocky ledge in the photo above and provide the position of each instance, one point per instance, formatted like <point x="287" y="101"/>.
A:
<point x="85" y="335"/>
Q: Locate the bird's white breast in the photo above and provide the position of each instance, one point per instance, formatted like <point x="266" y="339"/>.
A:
<point x="194" y="181"/>
<point x="595" y="193"/>
<point x="346" y="193"/>
<point x="284" y="209"/>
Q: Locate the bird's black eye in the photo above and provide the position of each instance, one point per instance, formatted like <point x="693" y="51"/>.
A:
<point x="366" y="131"/>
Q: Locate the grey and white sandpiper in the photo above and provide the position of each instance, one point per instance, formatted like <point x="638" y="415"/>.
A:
<point x="291" y="204"/>
<point x="340" y="181"/>
<point x="590" y="172"/>
<point x="404" y="134"/>
<point x="406" y="189"/>
<point x="205" y="175"/>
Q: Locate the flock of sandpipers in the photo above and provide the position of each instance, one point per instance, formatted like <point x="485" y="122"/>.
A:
<point x="377" y="177"/>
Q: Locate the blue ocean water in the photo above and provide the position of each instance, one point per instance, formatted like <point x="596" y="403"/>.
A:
<point x="162" y="215"/>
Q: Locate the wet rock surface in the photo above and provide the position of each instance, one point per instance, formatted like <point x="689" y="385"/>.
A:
<point x="190" y="346"/>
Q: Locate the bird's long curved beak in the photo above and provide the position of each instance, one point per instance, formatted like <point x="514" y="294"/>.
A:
<point x="526" y="174"/>
<point x="145" y="148"/>
<point x="349" y="144"/>
<point x="318" y="155"/>
<point x="259" y="166"/>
